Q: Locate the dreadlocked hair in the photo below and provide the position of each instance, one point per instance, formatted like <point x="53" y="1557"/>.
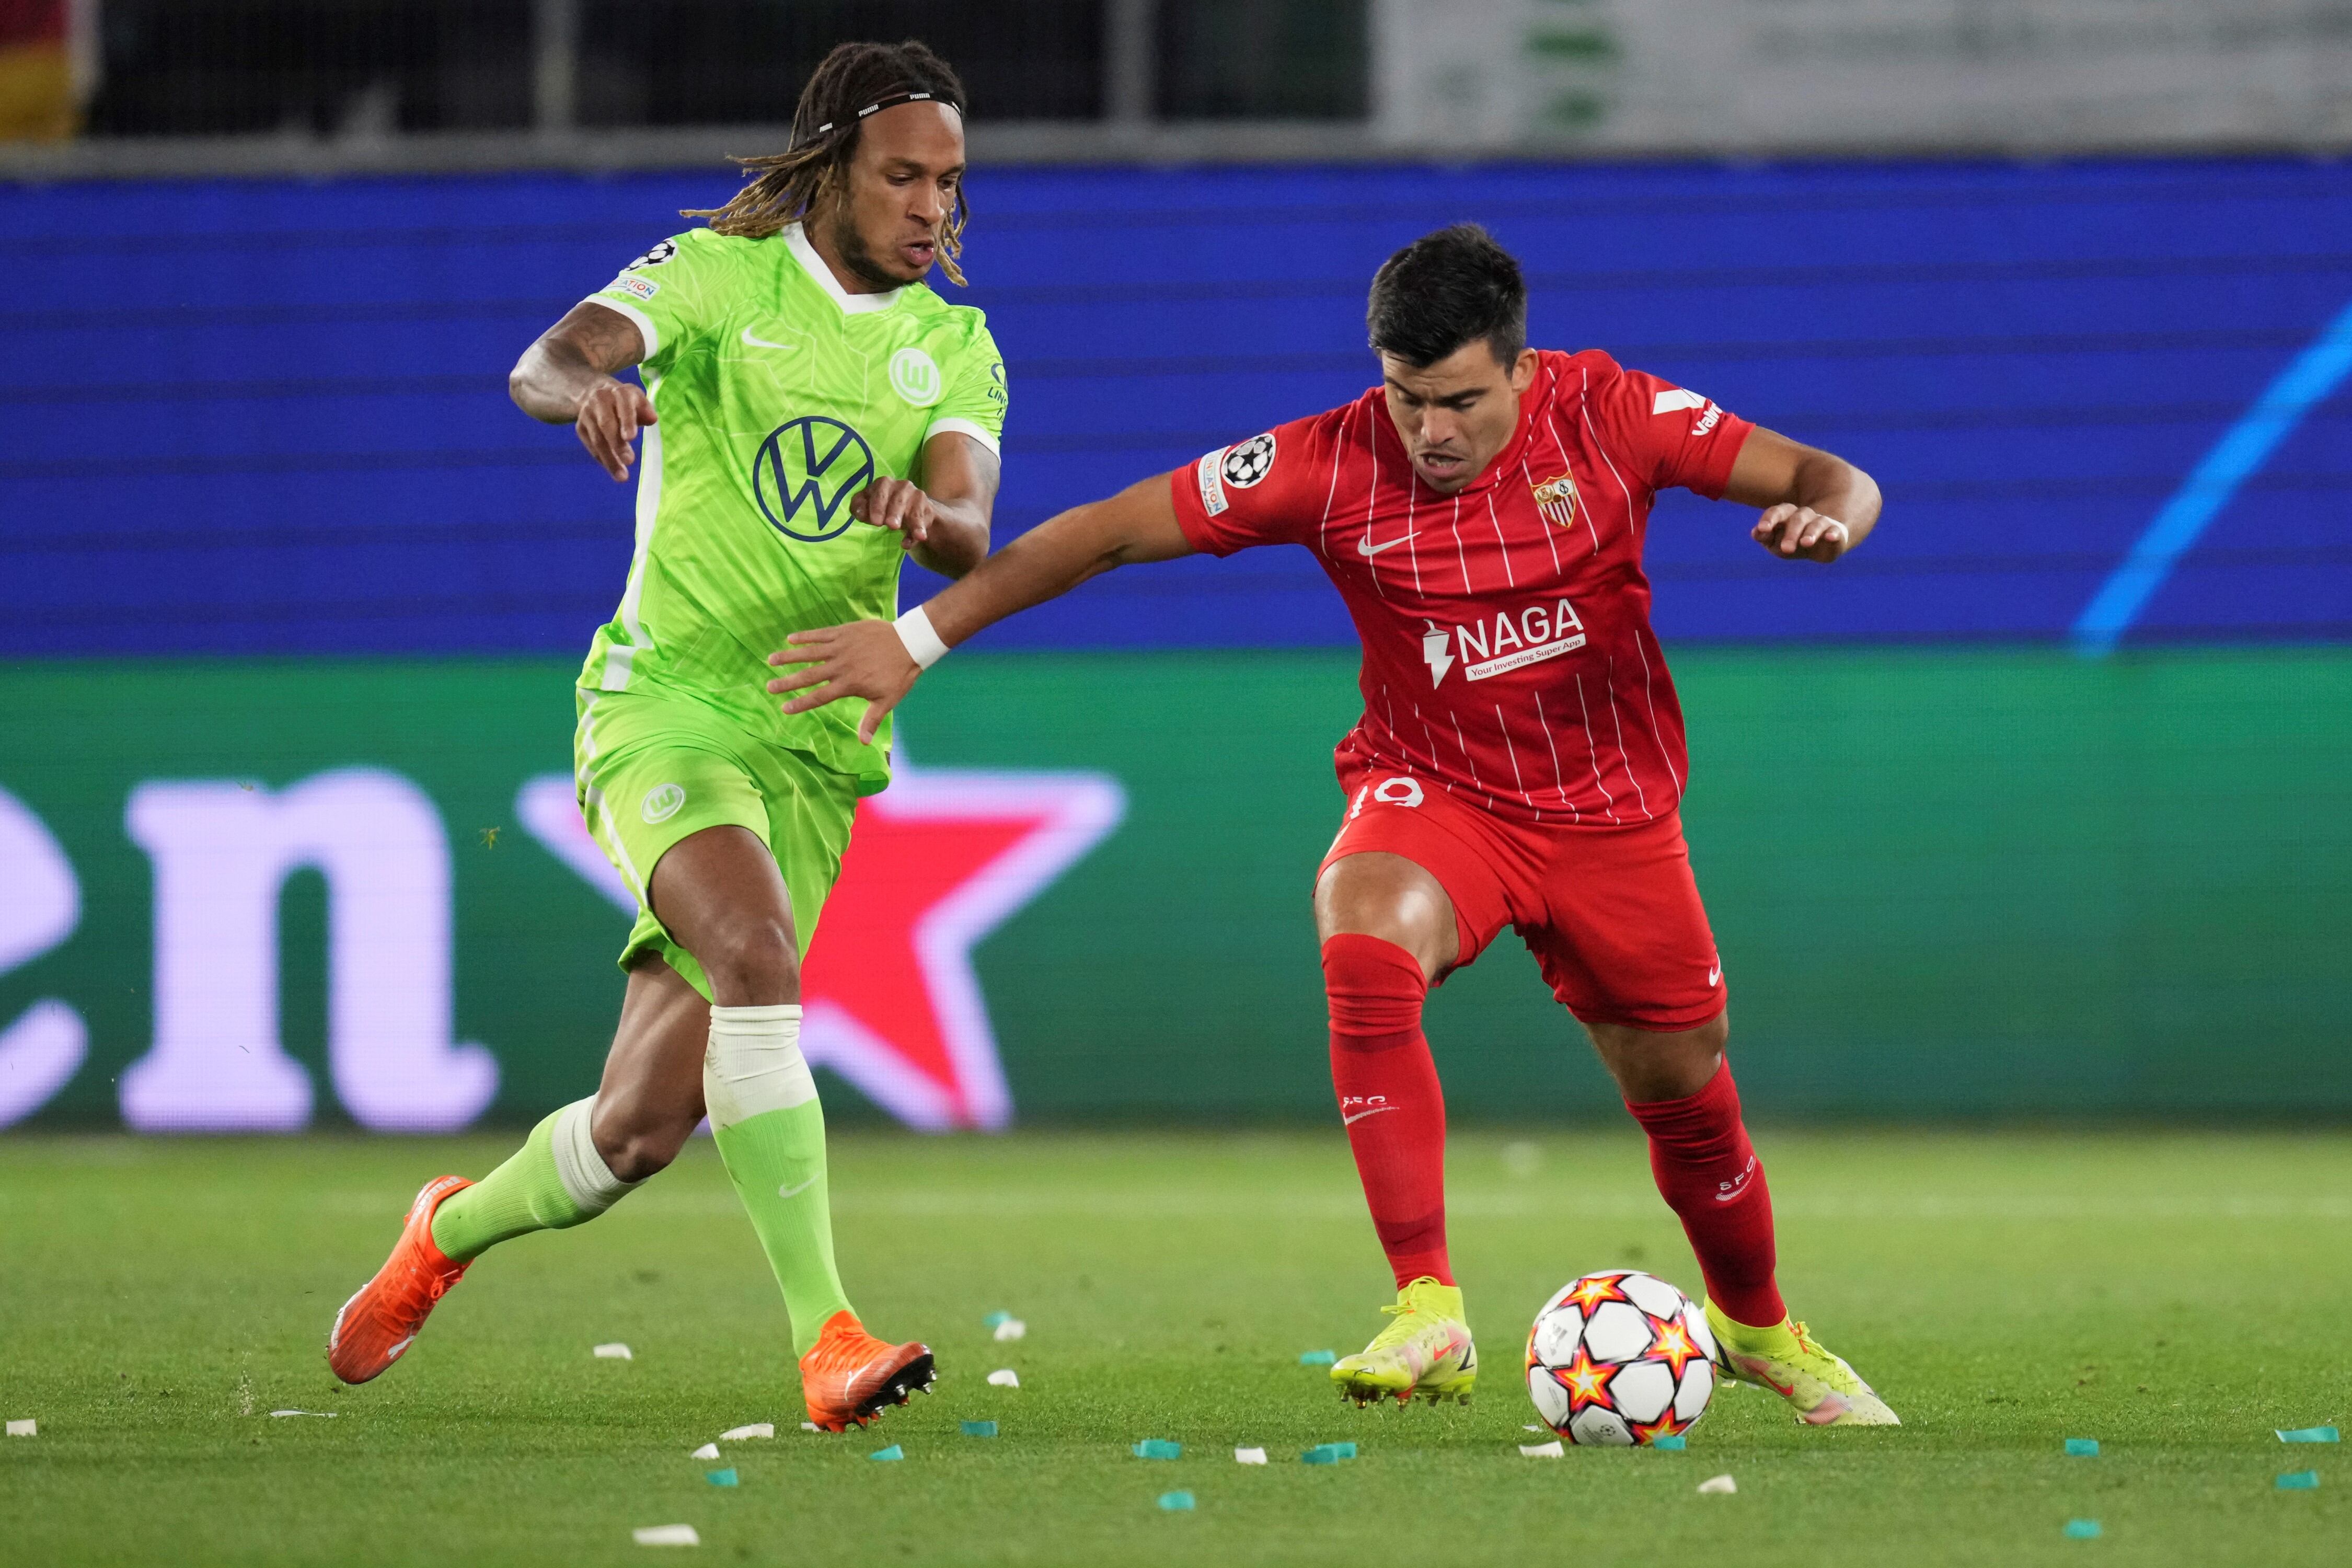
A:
<point x="783" y="187"/>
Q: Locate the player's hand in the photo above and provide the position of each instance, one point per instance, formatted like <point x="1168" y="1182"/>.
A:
<point x="609" y="415"/>
<point x="863" y="658"/>
<point x="900" y="505"/>
<point x="1800" y="533"/>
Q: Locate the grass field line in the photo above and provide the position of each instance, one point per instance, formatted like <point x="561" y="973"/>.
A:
<point x="955" y="1204"/>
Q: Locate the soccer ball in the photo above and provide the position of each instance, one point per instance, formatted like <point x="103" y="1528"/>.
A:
<point x="1621" y="1357"/>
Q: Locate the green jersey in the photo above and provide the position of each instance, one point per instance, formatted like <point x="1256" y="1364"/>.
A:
<point x="780" y="395"/>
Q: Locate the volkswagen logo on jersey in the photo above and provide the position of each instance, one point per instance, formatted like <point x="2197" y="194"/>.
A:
<point x="806" y="473"/>
<point x="1247" y="464"/>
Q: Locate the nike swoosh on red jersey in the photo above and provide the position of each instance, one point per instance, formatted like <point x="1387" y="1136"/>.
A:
<point x="1366" y="547"/>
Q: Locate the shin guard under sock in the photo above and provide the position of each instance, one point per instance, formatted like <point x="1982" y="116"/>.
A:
<point x="770" y="1129"/>
<point x="1389" y="1100"/>
<point x="1709" y="1173"/>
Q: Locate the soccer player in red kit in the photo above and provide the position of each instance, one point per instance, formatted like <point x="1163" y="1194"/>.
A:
<point x="1519" y="761"/>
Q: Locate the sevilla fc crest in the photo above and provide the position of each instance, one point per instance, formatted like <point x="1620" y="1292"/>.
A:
<point x="1556" y="498"/>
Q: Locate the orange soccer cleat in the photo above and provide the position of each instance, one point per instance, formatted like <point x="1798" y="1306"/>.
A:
<point x="849" y="1376"/>
<point x="379" y="1324"/>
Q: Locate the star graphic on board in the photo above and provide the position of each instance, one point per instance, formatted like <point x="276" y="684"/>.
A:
<point x="935" y="863"/>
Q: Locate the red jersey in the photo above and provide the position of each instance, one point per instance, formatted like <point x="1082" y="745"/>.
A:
<point x="1508" y="648"/>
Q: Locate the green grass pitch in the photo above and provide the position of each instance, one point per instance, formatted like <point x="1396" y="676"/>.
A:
<point x="2174" y="1296"/>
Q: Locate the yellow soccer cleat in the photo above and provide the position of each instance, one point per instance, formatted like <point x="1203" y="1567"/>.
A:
<point x="1824" y="1391"/>
<point x="1427" y="1350"/>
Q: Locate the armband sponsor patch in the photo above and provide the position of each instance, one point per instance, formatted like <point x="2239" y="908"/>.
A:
<point x="1212" y="485"/>
<point x="642" y="288"/>
<point x="654" y="258"/>
<point x="1247" y="464"/>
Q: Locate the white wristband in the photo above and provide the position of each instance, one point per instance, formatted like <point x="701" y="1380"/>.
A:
<point x="923" y="644"/>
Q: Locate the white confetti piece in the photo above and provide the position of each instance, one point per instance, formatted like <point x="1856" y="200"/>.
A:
<point x="613" y="1351"/>
<point x="1249" y="1456"/>
<point x="811" y="1427"/>
<point x="756" y="1429"/>
<point x="1551" y="1450"/>
<point x="1535" y="1428"/>
<point x="1010" y="1329"/>
<point x="1004" y="1377"/>
<point x="1720" y="1485"/>
<point x="24" y="1428"/>
<point x="667" y="1535"/>
<point x="708" y="1451"/>
<point x="327" y="1414"/>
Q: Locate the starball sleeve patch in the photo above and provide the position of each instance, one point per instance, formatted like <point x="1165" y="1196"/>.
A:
<point x="1247" y="464"/>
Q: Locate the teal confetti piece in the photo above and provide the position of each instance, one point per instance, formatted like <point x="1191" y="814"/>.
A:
<point x="2083" y="1448"/>
<point x="2299" y="1482"/>
<point x="980" y="1429"/>
<point x="2309" y="1434"/>
<point x="1318" y="1358"/>
<point x="1158" y="1449"/>
<point x="1329" y="1452"/>
<point x="1176" y="1502"/>
<point x="1670" y="1443"/>
<point x="720" y="1477"/>
<point x="993" y="1319"/>
<point x="892" y="1452"/>
<point x="2083" y="1530"/>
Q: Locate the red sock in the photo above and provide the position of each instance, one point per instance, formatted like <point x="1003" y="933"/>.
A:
<point x="1709" y="1173"/>
<point x="1389" y="1098"/>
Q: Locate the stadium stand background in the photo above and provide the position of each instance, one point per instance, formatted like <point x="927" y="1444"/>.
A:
<point x="269" y="512"/>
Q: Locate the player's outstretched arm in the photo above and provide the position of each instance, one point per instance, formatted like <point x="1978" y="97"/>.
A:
<point x="566" y="378"/>
<point x="1817" y="506"/>
<point x="942" y="522"/>
<point x="872" y="660"/>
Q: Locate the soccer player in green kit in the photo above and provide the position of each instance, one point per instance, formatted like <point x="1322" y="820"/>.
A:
<point x="812" y="413"/>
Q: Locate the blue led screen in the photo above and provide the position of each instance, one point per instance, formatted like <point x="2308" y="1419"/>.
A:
<point x="256" y="417"/>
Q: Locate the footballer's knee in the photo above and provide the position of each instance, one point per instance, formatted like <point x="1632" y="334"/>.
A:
<point x="637" y="1140"/>
<point x="1650" y="1065"/>
<point x="1386" y="895"/>
<point x="752" y="963"/>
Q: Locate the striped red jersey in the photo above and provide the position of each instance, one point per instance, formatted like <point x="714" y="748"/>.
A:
<point x="1508" y="648"/>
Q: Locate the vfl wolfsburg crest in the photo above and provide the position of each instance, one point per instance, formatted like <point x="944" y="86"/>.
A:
<point x="806" y="473"/>
<point x="915" y="376"/>
<point x="1556" y="498"/>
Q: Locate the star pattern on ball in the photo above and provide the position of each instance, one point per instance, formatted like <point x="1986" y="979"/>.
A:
<point x="1586" y="1380"/>
<point x="1648" y="1432"/>
<point x="1595" y="1289"/>
<point x="1670" y="1343"/>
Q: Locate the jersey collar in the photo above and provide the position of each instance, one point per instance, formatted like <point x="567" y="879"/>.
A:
<point x="797" y="242"/>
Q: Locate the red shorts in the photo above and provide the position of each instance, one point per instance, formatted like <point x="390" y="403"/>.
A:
<point x="1611" y="914"/>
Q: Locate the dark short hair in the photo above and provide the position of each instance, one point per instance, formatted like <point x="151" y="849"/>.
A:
<point x="1445" y="289"/>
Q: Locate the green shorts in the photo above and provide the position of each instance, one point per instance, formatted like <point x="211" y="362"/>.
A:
<point x="652" y="770"/>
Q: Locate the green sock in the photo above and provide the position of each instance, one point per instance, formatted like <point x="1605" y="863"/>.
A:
<point x="774" y="1154"/>
<point x="769" y="1129"/>
<point x="554" y="1181"/>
